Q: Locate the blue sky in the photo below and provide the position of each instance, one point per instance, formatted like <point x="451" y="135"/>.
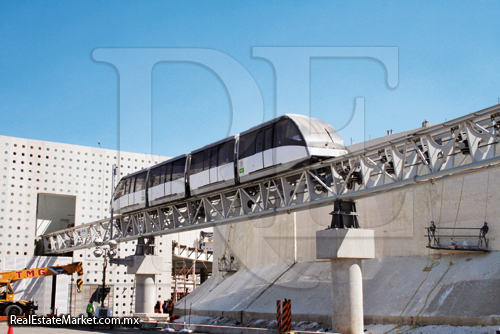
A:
<point x="52" y="89"/>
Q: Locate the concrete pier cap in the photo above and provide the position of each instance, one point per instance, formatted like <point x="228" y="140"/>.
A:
<point x="346" y="248"/>
<point x="342" y="243"/>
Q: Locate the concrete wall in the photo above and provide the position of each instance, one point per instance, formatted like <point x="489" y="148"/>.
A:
<point x="54" y="213"/>
<point x="276" y="259"/>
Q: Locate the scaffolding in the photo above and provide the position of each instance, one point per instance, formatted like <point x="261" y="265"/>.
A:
<point x="457" y="238"/>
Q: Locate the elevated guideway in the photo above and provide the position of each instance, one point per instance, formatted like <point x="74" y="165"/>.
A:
<point x="456" y="148"/>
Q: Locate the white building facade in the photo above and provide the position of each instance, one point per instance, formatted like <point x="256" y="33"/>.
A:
<point x="46" y="186"/>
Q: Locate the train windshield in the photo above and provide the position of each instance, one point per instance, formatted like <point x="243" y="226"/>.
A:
<point x="282" y="133"/>
<point x="120" y="189"/>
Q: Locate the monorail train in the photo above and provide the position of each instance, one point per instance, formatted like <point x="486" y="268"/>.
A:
<point x="284" y="143"/>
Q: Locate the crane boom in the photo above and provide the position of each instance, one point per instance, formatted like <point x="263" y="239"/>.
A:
<point x="16" y="275"/>
<point x="10" y="307"/>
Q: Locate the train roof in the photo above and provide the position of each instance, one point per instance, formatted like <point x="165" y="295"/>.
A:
<point x="169" y="160"/>
<point x="135" y="173"/>
<point x="312" y="129"/>
<point x="214" y="143"/>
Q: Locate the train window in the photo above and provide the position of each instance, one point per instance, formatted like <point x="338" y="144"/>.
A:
<point x="140" y="182"/>
<point x="268" y="139"/>
<point x="168" y="175"/>
<point x="120" y="189"/>
<point x="213" y="156"/>
<point x="178" y="169"/>
<point x="132" y="185"/>
<point x="129" y="189"/>
<point x="206" y="160"/>
<point x="163" y="172"/>
<point x="259" y="142"/>
<point x="197" y="162"/>
<point x="286" y="133"/>
<point x="226" y="152"/>
<point x="154" y="177"/>
<point x="247" y="145"/>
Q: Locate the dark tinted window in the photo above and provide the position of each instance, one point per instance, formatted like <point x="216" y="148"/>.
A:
<point x="226" y="153"/>
<point x="163" y="172"/>
<point x="259" y="142"/>
<point x="197" y="162"/>
<point x="247" y="145"/>
<point x="130" y="185"/>
<point x="286" y="133"/>
<point x="126" y="190"/>
<point x="120" y="189"/>
<point x="140" y="182"/>
<point x="168" y="175"/>
<point x="213" y="156"/>
<point x="206" y="160"/>
<point x="154" y="177"/>
<point x="178" y="169"/>
<point x="268" y="139"/>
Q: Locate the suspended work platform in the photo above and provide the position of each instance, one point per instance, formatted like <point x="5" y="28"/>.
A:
<point x="458" y="239"/>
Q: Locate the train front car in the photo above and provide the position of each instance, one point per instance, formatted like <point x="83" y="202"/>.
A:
<point x="167" y="181"/>
<point x="285" y="143"/>
<point x="212" y="167"/>
<point x="130" y="194"/>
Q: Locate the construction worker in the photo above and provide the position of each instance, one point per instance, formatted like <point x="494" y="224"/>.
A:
<point x="484" y="230"/>
<point x="432" y="230"/>
<point x="165" y="306"/>
<point x="170" y="307"/>
<point x="90" y="309"/>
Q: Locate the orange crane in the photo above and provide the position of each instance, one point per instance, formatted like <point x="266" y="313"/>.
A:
<point x="8" y="306"/>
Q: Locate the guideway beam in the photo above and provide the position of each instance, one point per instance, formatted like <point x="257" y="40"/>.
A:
<point x="345" y="248"/>
<point x="456" y="148"/>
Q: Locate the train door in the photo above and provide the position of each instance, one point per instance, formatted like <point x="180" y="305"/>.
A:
<point x="225" y="163"/>
<point x="156" y="189"/>
<point x="267" y="154"/>
<point x="249" y="160"/>
<point x="140" y="188"/>
<point x="130" y="192"/>
<point x="199" y="176"/>
<point x="178" y="180"/>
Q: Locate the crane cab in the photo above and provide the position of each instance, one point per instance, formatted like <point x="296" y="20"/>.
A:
<point x="6" y="292"/>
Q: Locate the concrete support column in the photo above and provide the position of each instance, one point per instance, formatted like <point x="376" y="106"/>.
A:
<point x="145" y="293"/>
<point x="345" y="248"/>
<point x="347" y="296"/>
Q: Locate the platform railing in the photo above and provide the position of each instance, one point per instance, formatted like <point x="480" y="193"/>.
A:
<point x="457" y="238"/>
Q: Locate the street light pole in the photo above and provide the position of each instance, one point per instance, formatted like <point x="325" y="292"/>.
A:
<point x="105" y="264"/>
<point x="113" y="175"/>
<point x="107" y="251"/>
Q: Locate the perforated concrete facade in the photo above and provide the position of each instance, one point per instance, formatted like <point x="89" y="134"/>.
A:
<point x="32" y="167"/>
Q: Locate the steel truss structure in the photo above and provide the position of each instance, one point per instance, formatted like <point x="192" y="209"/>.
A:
<point x="456" y="148"/>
